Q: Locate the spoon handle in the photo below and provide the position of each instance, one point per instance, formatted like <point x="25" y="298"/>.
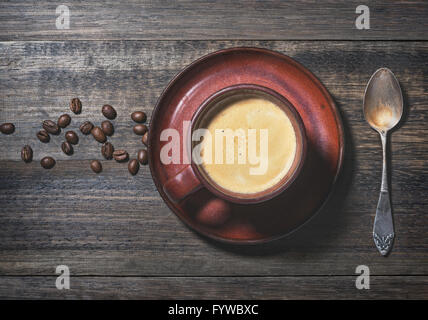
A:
<point x="383" y="230"/>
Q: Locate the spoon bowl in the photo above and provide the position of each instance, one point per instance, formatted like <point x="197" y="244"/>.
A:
<point x="383" y="101"/>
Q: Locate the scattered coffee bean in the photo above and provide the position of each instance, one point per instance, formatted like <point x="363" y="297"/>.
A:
<point x="120" y="155"/>
<point x="71" y="137"/>
<point x="145" y="139"/>
<point x="27" y="153"/>
<point x="133" y="166"/>
<point x="50" y="126"/>
<point x="43" y="136"/>
<point x="67" y="148"/>
<point x="108" y="111"/>
<point x="143" y="156"/>
<point x="140" y="129"/>
<point x="107" y="150"/>
<point x="47" y="162"/>
<point x="139" y="116"/>
<point x="99" y="134"/>
<point x="76" y="105"/>
<point x="64" y="120"/>
<point x="7" y="128"/>
<point x="107" y="127"/>
<point x="96" y="166"/>
<point x="86" y="127"/>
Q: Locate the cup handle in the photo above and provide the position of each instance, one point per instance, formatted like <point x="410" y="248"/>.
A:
<point x="182" y="184"/>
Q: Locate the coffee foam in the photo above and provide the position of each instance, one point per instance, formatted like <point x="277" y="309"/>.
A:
<point x="258" y="114"/>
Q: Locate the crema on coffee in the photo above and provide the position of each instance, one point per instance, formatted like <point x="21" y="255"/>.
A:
<point x="263" y="150"/>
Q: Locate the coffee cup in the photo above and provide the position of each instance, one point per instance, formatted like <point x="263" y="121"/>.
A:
<point x="245" y="123"/>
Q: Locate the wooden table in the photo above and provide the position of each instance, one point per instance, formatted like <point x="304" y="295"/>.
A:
<point x="113" y="230"/>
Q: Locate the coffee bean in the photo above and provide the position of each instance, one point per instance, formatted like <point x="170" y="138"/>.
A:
<point x="47" y="162"/>
<point x="71" y="137"/>
<point x="27" y="153"/>
<point x="96" y="166"/>
<point x="99" y="134"/>
<point x="7" y="128"/>
<point x="140" y="129"/>
<point x="67" y="148"/>
<point x="76" y="105"/>
<point x="139" y="116"/>
<point x="43" y="136"/>
<point x="64" y="120"/>
<point x="143" y="156"/>
<point x="107" y="150"/>
<point x="86" y="127"/>
<point x="120" y="155"/>
<point x="145" y="139"/>
<point x="133" y="166"/>
<point x="50" y="126"/>
<point x="108" y="111"/>
<point x="107" y="127"/>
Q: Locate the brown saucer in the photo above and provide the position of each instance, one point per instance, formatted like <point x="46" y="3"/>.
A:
<point x="277" y="217"/>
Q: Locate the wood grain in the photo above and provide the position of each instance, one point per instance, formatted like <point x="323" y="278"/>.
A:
<point x="209" y="20"/>
<point x="381" y="287"/>
<point x="114" y="231"/>
<point x="113" y="224"/>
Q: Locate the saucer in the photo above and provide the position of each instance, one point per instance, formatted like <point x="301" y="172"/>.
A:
<point x="283" y="214"/>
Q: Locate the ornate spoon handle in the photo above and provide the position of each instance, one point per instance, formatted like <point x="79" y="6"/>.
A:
<point x="383" y="230"/>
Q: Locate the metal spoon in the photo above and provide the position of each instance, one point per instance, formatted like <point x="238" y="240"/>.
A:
<point x="383" y="108"/>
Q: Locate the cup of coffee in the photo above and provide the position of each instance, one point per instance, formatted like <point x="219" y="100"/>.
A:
<point x="248" y="145"/>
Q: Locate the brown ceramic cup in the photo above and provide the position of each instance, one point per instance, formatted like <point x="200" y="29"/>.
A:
<point x="192" y="177"/>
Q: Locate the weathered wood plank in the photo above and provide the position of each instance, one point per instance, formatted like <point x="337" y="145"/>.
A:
<point x="220" y="19"/>
<point x="115" y="224"/>
<point x="381" y="287"/>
